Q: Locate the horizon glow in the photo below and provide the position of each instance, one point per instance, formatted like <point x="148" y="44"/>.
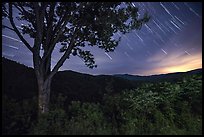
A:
<point x="170" y="42"/>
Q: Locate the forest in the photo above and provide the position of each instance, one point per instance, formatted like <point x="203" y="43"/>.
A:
<point x="151" y="38"/>
<point x="101" y="105"/>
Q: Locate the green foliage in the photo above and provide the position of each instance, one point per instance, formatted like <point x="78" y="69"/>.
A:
<point x="151" y="109"/>
<point x="88" y="58"/>
<point x="160" y="108"/>
<point x="52" y="123"/>
<point x="86" y="118"/>
<point x="18" y="116"/>
<point x="75" y="24"/>
<point x="83" y="119"/>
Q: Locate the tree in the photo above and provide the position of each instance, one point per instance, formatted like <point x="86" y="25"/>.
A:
<point x="73" y="25"/>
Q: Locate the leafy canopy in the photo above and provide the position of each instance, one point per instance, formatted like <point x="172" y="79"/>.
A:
<point x="77" y="24"/>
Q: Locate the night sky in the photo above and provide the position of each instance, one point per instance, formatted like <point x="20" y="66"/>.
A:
<point x="170" y="42"/>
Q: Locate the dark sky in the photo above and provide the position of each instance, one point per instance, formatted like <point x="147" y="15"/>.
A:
<point x="170" y="42"/>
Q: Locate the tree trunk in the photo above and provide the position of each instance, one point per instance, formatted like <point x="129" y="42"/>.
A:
<point x="43" y="95"/>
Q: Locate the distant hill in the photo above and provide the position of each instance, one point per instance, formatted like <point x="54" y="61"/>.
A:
<point x="19" y="82"/>
<point x="157" y="78"/>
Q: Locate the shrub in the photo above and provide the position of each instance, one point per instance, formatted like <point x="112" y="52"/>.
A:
<point x="18" y="116"/>
<point x="52" y="123"/>
<point x="86" y="119"/>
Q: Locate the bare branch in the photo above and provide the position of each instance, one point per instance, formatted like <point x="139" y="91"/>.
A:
<point x="17" y="7"/>
<point x="4" y="26"/>
<point x="16" y="30"/>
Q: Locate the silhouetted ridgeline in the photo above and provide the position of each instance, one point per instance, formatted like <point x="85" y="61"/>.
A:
<point x="157" y="78"/>
<point x="163" y="108"/>
<point x="19" y="82"/>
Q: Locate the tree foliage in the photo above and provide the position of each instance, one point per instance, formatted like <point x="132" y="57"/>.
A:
<point x="74" y="25"/>
<point x="160" y="108"/>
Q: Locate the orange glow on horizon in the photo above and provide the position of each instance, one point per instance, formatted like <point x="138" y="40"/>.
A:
<point x="173" y="64"/>
<point x="170" y="70"/>
<point x="182" y="68"/>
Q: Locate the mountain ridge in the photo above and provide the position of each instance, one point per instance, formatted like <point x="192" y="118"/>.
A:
<point x="19" y="82"/>
<point x="125" y="74"/>
<point x="158" y="76"/>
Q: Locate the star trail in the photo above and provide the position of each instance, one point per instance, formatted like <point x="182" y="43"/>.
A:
<point x="170" y="42"/>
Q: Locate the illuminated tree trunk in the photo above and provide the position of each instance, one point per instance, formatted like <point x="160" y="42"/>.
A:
<point x="43" y="71"/>
<point x="44" y="88"/>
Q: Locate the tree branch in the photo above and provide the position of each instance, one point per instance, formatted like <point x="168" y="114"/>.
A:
<point x="54" y="41"/>
<point x="4" y="26"/>
<point x="16" y="30"/>
<point x="64" y="57"/>
<point x="58" y="34"/>
<point x="50" y="23"/>
<point x="61" y="20"/>
<point x="39" y="22"/>
<point x="23" y="11"/>
<point x="20" y="9"/>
